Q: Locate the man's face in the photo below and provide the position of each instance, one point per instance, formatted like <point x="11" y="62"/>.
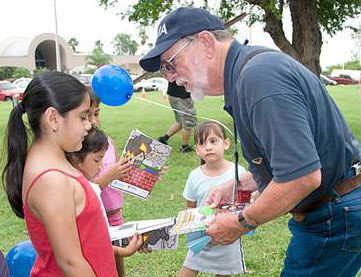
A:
<point x="188" y="67"/>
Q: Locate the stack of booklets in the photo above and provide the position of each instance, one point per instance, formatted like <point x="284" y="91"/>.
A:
<point x="196" y="241"/>
<point x="147" y="157"/>
<point x="163" y="234"/>
<point x="193" y="223"/>
<point x="155" y="233"/>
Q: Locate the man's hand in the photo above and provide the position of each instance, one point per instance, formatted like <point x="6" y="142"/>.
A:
<point x="246" y="182"/>
<point x="225" y="229"/>
<point x="220" y="194"/>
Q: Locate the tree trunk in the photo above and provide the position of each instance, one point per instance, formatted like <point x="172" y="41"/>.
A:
<point x="306" y="36"/>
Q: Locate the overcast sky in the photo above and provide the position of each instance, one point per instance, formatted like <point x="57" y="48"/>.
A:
<point x="87" y="22"/>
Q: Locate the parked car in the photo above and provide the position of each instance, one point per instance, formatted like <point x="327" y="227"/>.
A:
<point x="86" y="79"/>
<point x="344" y="80"/>
<point x="327" y="81"/>
<point x="8" y="90"/>
<point x="22" y="83"/>
<point x="144" y="84"/>
<point x="159" y="83"/>
<point x="156" y="83"/>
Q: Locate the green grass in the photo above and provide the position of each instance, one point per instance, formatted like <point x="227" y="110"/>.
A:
<point x="264" y="251"/>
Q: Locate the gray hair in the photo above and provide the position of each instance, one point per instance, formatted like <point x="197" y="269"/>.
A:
<point x="220" y="35"/>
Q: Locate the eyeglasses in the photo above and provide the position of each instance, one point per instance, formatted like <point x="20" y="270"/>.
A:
<point x="167" y="66"/>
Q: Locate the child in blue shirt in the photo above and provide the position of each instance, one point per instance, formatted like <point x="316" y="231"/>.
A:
<point x="222" y="260"/>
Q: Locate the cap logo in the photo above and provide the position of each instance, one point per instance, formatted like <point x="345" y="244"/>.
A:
<point x="162" y="30"/>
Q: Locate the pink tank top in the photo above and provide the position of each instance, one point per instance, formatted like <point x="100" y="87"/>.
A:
<point x="112" y="198"/>
<point x="92" y="230"/>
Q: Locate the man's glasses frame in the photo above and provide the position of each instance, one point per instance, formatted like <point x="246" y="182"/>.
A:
<point x="167" y="66"/>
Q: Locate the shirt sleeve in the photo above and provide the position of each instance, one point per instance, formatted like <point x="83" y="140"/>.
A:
<point x="189" y="192"/>
<point x="281" y="120"/>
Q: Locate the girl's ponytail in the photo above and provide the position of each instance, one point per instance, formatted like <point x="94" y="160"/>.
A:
<point x="50" y="89"/>
<point x="17" y="146"/>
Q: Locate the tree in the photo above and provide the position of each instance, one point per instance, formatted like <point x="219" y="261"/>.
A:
<point x="73" y="43"/>
<point x="124" y="44"/>
<point x="98" y="58"/>
<point x="308" y="18"/>
<point x="40" y="70"/>
<point x="98" y="45"/>
<point x="356" y="36"/>
<point x="21" y="72"/>
<point x="6" y="72"/>
<point x="143" y="35"/>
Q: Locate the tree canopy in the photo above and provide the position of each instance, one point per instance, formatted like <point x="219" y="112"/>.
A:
<point x="73" y="43"/>
<point x="124" y="44"/>
<point x="309" y="17"/>
<point x="98" y="58"/>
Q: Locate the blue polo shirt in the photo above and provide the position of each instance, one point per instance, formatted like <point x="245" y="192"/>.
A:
<point x="288" y="124"/>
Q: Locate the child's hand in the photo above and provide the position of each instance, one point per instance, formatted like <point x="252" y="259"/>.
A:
<point x="145" y="250"/>
<point x="164" y="170"/>
<point x="135" y="243"/>
<point x="119" y="169"/>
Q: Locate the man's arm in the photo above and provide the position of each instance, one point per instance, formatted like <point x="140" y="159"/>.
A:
<point x="276" y="200"/>
<point x="279" y="198"/>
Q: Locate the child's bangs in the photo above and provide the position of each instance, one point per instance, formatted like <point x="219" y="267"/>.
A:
<point x="205" y="129"/>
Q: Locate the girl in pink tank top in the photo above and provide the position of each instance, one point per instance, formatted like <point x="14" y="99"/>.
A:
<point x="112" y="169"/>
<point x="62" y="213"/>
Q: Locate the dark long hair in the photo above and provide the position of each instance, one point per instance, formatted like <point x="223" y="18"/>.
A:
<point x="94" y="142"/>
<point x="50" y="89"/>
<point x="204" y="130"/>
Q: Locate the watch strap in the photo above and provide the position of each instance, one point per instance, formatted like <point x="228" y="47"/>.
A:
<point x="244" y="223"/>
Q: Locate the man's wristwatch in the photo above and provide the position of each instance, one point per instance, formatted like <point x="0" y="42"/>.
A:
<point x="244" y="223"/>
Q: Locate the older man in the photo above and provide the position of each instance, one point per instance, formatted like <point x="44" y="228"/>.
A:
<point x="299" y="147"/>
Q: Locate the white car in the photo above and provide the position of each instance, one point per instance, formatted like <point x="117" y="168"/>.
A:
<point x="144" y="85"/>
<point x="22" y="83"/>
<point x="156" y="83"/>
<point x="161" y="84"/>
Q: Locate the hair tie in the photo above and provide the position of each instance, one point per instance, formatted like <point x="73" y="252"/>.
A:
<point x="21" y="107"/>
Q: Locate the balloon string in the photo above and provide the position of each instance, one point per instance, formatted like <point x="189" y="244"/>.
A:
<point x="170" y="108"/>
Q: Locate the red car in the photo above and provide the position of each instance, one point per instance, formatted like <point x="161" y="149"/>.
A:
<point x="344" y="80"/>
<point x="8" y="90"/>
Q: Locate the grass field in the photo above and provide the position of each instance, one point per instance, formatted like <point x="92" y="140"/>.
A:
<point x="264" y="251"/>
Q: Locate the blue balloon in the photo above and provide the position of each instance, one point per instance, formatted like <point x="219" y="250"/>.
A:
<point x="113" y="85"/>
<point x="20" y="259"/>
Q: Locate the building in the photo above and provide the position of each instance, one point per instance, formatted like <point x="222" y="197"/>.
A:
<point x="40" y="52"/>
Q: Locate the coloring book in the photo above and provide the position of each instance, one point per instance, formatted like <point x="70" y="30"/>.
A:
<point x="147" y="157"/>
<point x="155" y="233"/>
<point x="196" y="219"/>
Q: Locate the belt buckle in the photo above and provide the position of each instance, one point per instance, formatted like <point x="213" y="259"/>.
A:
<point x="357" y="168"/>
<point x="298" y="217"/>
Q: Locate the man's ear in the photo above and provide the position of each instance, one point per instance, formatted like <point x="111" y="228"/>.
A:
<point x="51" y="117"/>
<point x="208" y="42"/>
<point x="227" y="143"/>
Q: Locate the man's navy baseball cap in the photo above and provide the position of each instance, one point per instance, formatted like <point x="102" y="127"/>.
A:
<point x="179" y="23"/>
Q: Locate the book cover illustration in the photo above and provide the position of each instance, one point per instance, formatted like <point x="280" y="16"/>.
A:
<point x="147" y="157"/>
<point x="193" y="220"/>
<point x="196" y="219"/>
<point x="155" y="233"/>
<point x="160" y="239"/>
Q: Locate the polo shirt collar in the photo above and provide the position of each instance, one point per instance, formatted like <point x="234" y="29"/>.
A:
<point x="230" y="63"/>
